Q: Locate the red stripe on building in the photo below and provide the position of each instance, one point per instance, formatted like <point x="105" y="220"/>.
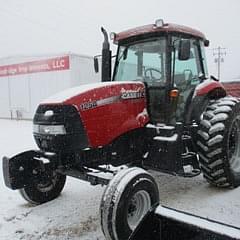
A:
<point x="47" y="65"/>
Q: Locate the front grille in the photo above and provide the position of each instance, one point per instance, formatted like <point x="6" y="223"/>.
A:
<point x="67" y="115"/>
<point x="60" y="113"/>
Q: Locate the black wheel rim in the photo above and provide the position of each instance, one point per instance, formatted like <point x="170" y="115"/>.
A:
<point x="47" y="182"/>
<point x="234" y="146"/>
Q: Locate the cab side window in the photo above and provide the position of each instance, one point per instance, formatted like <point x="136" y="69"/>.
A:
<point x="186" y="76"/>
<point x="187" y="72"/>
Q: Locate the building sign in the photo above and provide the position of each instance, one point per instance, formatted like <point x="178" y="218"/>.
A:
<point x="47" y="65"/>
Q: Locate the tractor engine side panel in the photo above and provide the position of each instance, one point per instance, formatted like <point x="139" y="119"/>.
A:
<point x="110" y="111"/>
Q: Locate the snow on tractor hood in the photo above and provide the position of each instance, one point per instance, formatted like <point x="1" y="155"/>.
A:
<point x="67" y="94"/>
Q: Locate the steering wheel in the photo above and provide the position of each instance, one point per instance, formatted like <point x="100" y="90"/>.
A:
<point x="150" y="71"/>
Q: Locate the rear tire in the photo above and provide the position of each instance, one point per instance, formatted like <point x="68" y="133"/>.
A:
<point x="41" y="192"/>
<point x="127" y="198"/>
<point x="218" y="141"/>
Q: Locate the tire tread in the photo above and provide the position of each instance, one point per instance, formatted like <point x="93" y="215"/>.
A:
<point x="211" y="139"/>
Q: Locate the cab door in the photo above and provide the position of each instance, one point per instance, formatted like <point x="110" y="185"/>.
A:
<point x="154" y="72"/>
<point x="156" y="85"/>
<point x="145" y="61"/>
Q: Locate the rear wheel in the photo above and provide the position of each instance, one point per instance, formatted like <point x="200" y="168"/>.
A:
<point x="218" y="140"/>
<point x="127" y="198"/>
<point x="47" y="187"/>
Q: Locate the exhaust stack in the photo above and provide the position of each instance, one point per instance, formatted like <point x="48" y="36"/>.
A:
<point x="106" y="58"/>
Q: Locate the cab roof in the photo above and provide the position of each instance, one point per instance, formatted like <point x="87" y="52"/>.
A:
<point x="152" y="28"/>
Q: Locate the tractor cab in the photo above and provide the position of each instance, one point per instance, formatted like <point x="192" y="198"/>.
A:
<point x="170" y="61"/>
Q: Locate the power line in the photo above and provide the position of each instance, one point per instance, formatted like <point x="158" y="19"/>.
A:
<point x="219" y="52"/>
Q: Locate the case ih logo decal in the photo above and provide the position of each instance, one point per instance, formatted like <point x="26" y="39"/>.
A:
<point x="47" y="65"/>
<point x="133" y="94"/>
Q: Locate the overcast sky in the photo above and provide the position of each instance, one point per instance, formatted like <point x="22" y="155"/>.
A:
<point x="53" y="26"/>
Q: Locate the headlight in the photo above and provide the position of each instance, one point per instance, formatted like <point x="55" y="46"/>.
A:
<point x="49" y="129"/>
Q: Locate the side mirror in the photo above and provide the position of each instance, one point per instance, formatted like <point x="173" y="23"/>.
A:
<point x="184" y="50"/>
<point x="96" y="65"/>
<point x="206" y="43"/>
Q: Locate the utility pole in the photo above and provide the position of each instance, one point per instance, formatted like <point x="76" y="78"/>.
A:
<point x="219" y="52"/>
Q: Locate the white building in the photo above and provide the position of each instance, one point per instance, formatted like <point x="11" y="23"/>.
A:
<point x="25" y="81"/>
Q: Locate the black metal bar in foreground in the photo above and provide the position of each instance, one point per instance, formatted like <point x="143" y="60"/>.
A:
<point x="164" y="223"/>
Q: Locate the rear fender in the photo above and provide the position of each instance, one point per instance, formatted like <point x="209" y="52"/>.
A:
<point x="164" y="223"/>
<point x="205" y="91"/>
<point x="18" y="170"/>
<point x="209" y="86"/>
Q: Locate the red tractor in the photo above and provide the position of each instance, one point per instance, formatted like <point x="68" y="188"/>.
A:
<point x="159" y="110"/>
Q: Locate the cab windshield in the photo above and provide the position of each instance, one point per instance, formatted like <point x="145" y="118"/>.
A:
<point x="142" y="61"/>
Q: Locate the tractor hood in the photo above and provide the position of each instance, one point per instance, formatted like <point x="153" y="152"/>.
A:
<point x="90" y="92"/>
<point x="107" y="110"/>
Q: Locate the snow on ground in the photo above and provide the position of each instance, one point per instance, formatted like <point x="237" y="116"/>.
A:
<point x="75" y="214"/>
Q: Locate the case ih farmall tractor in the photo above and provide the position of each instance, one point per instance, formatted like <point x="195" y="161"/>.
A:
<point x="158" y="111"/>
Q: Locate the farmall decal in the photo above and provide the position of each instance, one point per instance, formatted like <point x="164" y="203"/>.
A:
<point x="47" y="65"/>
<point x="133" y="94"/>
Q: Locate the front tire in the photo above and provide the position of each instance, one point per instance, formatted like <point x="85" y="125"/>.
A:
<point x="218" y="140"/>
<point x="127" y="198"/>
<point x="44" y="190"/>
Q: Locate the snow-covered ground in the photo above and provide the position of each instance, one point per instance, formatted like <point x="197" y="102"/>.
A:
<point x="74" y="215"/>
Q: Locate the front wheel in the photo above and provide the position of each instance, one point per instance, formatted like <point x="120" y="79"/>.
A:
<point x="45" y="188"/>
<point x="127" y="198"/>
